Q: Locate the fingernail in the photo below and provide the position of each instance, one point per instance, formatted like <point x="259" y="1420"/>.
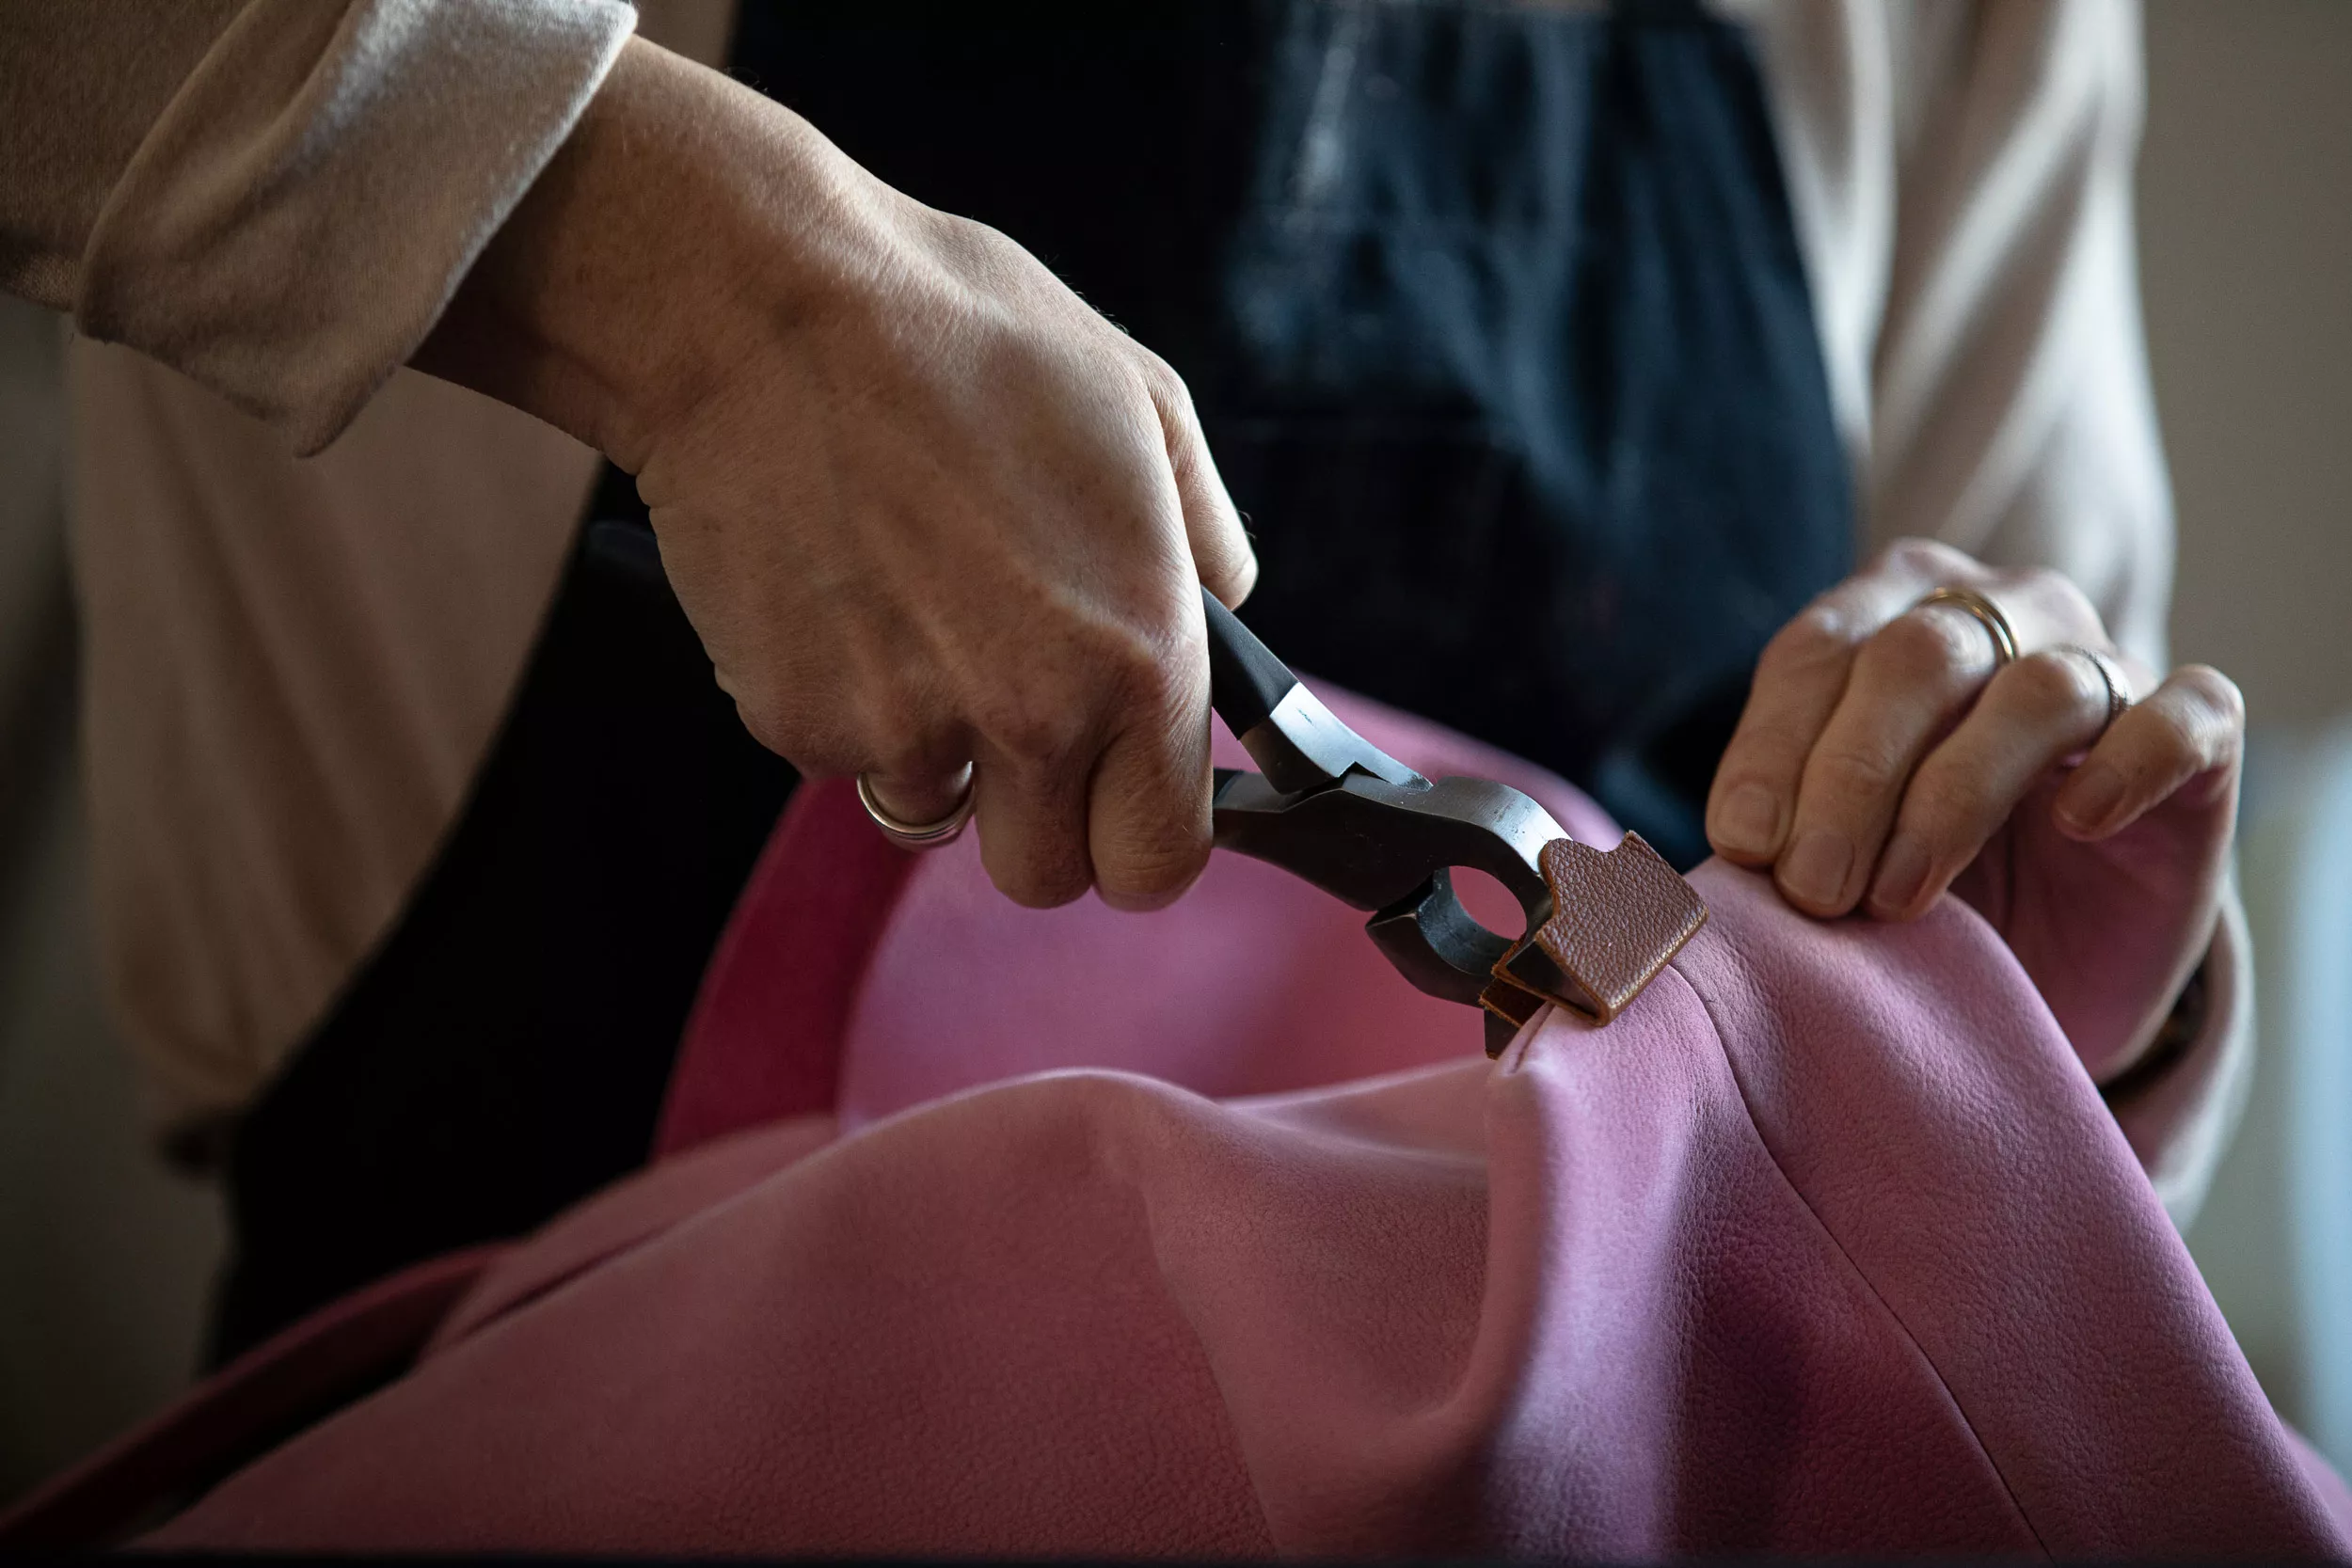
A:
<point x="2090" y="798"/>
<point x="1748" y="822"/>
<point x="1902" y="876"/>
<point x="1816" y="869"/>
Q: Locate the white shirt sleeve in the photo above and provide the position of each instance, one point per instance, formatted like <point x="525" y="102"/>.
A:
<point x="296" y="215"/>
<point x="1961" y="175"/>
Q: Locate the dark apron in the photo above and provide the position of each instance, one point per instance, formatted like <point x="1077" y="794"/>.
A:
<point x="1494" y="315"/>
<point x="1495" y="321"/>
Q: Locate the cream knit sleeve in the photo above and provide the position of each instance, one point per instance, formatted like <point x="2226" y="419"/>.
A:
<point x="2012" y="414"/>
<point x="1960" y="172"/>
<point x="279" y="197"/>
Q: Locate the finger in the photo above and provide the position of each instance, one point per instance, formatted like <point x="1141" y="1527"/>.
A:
<point x="1221" y="554"/>
<point x="1148" y="806"/>
<point x="1799" y="681"/>
<point x="1910" y="683"/>
<point x="1029" y="806"/>
<point x="920" y="796"/>
<point x="2032" y="715"/>
<point x="2190" y="727"/>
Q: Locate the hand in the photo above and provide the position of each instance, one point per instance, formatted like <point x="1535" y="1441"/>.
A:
<point x="1882" y="759"/>
<point x="924" y="506"/>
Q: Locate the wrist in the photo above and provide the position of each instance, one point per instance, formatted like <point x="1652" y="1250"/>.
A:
<point x="682" y="204"/>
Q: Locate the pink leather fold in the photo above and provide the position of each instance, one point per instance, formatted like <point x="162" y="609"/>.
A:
<point x="860" y="977"/>
<point x="763" y="1039"/>
<point x="1181" y="1235"/>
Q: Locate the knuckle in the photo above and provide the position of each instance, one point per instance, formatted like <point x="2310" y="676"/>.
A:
<point x="2180" y="741"/>
<point x="1041" y="865"/>
<point x="1160" y="380"/>
<point x="1763" y="754"/>
<point x="2050" y="685"/>
<point x="1916" y="557"/>
<point x="1943" y="804"/>
<point x="1039" y="734"/>
<point x="1155" y="869"/>
<point x="2171" y="749"/>
<point x="1819" y="637"/>
<point x="1921" y="650"/>
<point x="1141" y="671"/>
<point x="2205" y="723"/>
<point x="1231" y="571"/>
<point x="984" y="252"/>
<point x="1045" y="886"/>
<point x="1845" y="775"/>
<point x="1100" y="674"/>
<point x="2216" y="690"/>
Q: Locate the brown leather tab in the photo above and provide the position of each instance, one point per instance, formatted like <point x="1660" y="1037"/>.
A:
<point x="1616" y="918"/>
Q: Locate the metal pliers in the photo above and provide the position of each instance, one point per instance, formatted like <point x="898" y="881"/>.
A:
<point x="1336" y="810"/>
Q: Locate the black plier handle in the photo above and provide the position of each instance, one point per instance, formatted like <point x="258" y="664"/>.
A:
<point x="1336" y="810"/>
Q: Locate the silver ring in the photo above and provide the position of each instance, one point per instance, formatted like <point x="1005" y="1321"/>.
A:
<point x="918" y="835"/>
<point x="1987" y="614"/>
<point x="2118" y="684"/>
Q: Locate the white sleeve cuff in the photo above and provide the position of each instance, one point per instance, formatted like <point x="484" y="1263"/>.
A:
<point x="298" y="217"/>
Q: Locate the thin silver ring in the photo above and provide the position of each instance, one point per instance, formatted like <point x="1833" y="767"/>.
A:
<point x="918" y="835"/>
<point x="2119" y="685"/>
<point x="1987" y="614"/>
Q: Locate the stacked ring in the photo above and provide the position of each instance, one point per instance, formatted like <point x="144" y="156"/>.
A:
<point x="1987" y="614"/>
<point x="917" y="836"/>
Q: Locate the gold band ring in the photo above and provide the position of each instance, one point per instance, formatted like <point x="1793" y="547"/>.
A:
<point x="2118" y="684"/>
<point x="918" y="835"/>
<point x="1988" y="615"/>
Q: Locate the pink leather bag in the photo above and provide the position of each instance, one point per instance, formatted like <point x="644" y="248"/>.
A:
<point x="1200" y="1233"/>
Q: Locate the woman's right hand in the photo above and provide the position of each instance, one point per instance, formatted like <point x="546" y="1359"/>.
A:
<point x="923" y="506"/>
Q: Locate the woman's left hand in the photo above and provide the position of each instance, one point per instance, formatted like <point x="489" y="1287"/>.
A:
<point x="1886" y="754"/>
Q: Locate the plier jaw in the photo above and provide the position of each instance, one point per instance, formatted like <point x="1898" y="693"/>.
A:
<point x="1336" y="810"/>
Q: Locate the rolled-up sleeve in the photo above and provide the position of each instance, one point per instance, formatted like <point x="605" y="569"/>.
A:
<point x="279" y="199"/>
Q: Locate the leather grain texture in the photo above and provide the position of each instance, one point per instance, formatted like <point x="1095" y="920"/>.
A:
<point x="1618" y="915"/>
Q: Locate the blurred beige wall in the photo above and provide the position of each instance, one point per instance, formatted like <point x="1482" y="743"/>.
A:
<point x="105" y="1258"/>
<point x="2246" y="264"/>
<point x="2245" y="260"/>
